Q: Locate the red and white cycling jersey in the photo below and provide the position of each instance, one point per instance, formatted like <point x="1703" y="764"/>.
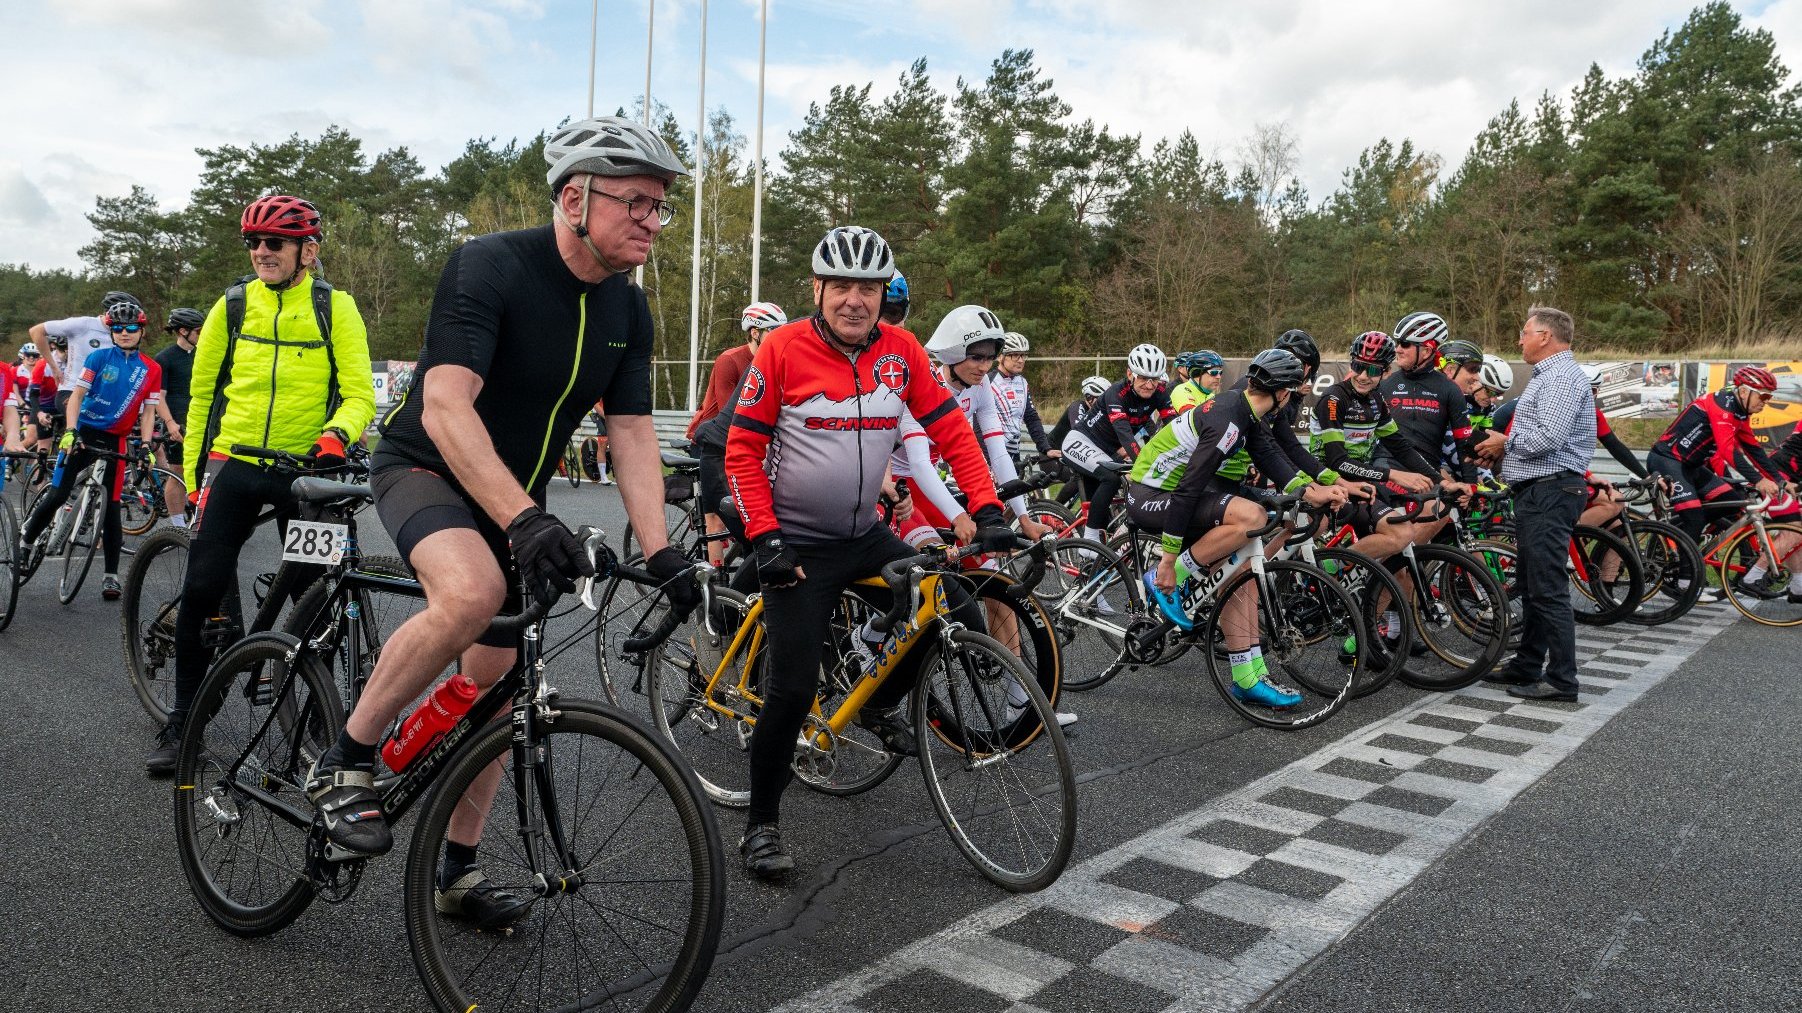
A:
<point x="814" y="429"/>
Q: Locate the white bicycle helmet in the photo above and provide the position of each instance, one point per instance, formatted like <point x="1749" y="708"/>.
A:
<point x="1015" y="344"/>
<point x="1496" y="375"/>
<point x="854" y="253"/>
<point x="1594" y="373"/>
<point x="609" y="146"/>
<point x="1094" y="386"/>
<point x="763" y="316"/>
<point x="1147" y="361"/>
<point x="29" y="348"/>
<point x="1420" y="328"/>
<point x="961" y="328"/>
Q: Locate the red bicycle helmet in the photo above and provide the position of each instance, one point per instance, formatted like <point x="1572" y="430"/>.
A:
<point x="1755" y="377"/>
<point x="1373" y="347"/>
<point x="280" y="215"/>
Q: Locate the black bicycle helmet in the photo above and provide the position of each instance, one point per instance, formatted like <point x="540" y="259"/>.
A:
<point x="1300" y="344"/>
<point x="115" y="296"/>
<point x="1462" y="352"/>
<point x="1276" y="369"/>
<point x="184" y="318"/>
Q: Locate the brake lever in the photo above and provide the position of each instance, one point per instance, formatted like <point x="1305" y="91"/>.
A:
<point x="592" y="540"/>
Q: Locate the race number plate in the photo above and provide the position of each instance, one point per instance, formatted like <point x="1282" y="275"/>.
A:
<point x="312" y="542"/>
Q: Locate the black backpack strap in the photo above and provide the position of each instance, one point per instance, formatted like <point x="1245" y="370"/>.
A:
<point x="234" y="323"/>
<point x="322" y="312"/>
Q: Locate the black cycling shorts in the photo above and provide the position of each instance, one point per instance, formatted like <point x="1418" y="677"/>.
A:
<point x="416" y="502"/>
<point x="1149" y="507"/>
<point x="1691" y="487"/>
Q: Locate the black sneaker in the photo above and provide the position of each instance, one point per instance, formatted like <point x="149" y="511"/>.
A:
<point x="472" y="898"/>
<point x="1765" y="588"/>
<point x="161" y="761"/>
<point x="110" y="589"/>
<point x="354" y="819"/>
<point x="891" y="729"/>
<point x="765" y="857"/>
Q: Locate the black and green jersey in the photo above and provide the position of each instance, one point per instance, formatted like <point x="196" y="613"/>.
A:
<point x="1218" y="439"/>
<point x="1347" y="429"/>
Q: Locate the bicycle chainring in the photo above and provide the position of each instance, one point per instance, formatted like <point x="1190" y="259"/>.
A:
<point x="1145" y="641"/>
<point x="333" y="881"/>
<point x="813" y="761"/>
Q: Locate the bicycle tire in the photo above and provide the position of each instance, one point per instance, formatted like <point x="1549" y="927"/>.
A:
<point x="955" y="723"/>
<point x="9" y="570"/>
<point x="1611" y="604"/>
<point x="1673" y="570"/>
<point x="38" y="550"/>
<point x="566" y="796"/>
<point x="572" y="466"/>
<point x="138" y="508"/>
<point x="1367" y="582"/>
<point x="211" y="815"/>
<point x="1050" y="512"/>
<point x="1773" y="612"/>
<point x="1471" y="612"/>
<point x="676" y="672"/>
<point x="89" y="519"/>
<point x="1038" y="649"/>
<point x="1093" y="601"/>
<point x="1284" y="631"/>
<point x="148" y="613"/>
<point x="1503" y="562"/>
<point x="675" y="523"/>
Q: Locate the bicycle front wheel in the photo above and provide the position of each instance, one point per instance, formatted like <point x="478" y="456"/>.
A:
<point x="139" y="502"/>
<point x="1302" y="627"/>
<point x="241" y="813"/>
<point x="712" y="730"/>
<point x="1673" y="571"/>
<point x="599" y="822"/>
<point x="995" y="761"/>
<point x="83" y="541"/>
<point x="1093" y="599"/>
<point x="152" y="598"/>
<point x="1607" y="581"/>
<point x="9" y="564"/>
<point x="1460" y="615"/>
<point x="1381" y="608"/>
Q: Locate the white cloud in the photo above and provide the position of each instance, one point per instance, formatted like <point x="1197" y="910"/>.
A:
<point x="22" y="204"/>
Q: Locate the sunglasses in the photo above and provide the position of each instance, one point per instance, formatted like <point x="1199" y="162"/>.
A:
<point x="1369" y="368"/>
<point x="127" y="328"/>
<point x="276" y="244"/>
<point x="1212" y="372"/>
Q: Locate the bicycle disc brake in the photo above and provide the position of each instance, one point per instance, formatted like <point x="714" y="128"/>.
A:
<point x="333" y="880"/>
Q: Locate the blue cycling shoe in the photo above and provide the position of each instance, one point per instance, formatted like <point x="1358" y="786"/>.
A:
<point x="1169" y="604"/>
<point x="1264" y="694"/>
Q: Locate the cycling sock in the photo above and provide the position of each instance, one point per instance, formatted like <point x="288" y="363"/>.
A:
<point x="1391" y="626"/>
<point x="1755" y="574"/>
<point x="1090" y="533"/>
<point x="348" y="754"/>
<point x="1185" y="567"/>
<point x="1245" y="674"/>
<point x="458" y="859"/>
<point x="179" y="520"/>
<point x="1795" y="582"/>
<point x="1257" y="662"/>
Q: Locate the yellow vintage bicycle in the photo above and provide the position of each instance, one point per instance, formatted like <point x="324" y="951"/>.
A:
<point x="995" y="762"/>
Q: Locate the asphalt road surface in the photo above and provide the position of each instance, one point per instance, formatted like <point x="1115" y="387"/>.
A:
<point x="1418" y="852"/>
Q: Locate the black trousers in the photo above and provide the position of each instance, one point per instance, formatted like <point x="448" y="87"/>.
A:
<point x="796" y="621"/>
<point x="231" y="500"/>
<point x="1545" y="512"/>
<point x="78" y="460"/>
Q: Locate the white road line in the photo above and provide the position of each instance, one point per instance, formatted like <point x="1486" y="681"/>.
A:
<point x="1307" y="879"/>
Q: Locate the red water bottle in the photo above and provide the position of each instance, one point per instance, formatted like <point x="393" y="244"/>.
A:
<point x="427" y="725"/>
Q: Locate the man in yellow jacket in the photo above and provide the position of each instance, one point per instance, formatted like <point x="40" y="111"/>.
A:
<point x="282" y="363"/>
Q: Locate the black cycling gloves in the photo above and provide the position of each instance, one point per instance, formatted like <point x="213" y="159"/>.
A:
<point x="671" y="569"/>
<point x="549" y="556"/>
<point x="777" y="564"/>
<point x="992" y="532"/>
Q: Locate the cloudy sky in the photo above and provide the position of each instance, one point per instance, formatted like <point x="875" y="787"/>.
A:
<point x="106" y="93"/>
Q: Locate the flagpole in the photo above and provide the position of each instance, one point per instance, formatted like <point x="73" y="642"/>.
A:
<point x="650" y="24"/>
<point x="694" y="285"/>
<point x="763" y="19"/>
<point x="594" y="36"/>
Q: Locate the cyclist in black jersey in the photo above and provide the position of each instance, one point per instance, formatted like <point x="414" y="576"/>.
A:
<point x="177" y="364"/>
<point x="527" y="330"/>
<point x="1109" y="432"/>
<point x="1429" y="408"/>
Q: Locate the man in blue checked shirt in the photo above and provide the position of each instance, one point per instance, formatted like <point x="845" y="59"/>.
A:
<point x="1548" y="448"/>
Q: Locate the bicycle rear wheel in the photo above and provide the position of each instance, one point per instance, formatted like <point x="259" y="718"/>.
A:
<point x="9" y="564"/>
<point x="1378" y="594"/>
<point x="1093" y="599"/>
<point x="713" y="733"/>
<point x="140" y="501"/>
<point x="572" y="465"/>
<point x="995" y="761"/>
<point x="152" y="598"/>
<point x="1742" y="551"/>
<point x="617" y="843"/>
<point x="1300" y="632"/>
<point x="855" y="760"/>
<point x="241" y="815"/>
<point x="83" y="541"/>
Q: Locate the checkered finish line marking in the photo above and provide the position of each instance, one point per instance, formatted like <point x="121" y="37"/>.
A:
<point x="1215" y="908"/>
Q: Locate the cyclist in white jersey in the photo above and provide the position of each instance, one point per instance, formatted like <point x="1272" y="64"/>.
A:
<point x="1015" y="396"/>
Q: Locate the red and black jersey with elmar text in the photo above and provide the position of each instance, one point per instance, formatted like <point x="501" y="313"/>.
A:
<point x="814" y="429"/>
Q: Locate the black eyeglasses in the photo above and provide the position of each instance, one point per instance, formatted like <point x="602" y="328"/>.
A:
<point x="640" y="208"/>
<point x="127" y="328"/>
<point x="276" y="244"/>
<point x="1370" y="368"/>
